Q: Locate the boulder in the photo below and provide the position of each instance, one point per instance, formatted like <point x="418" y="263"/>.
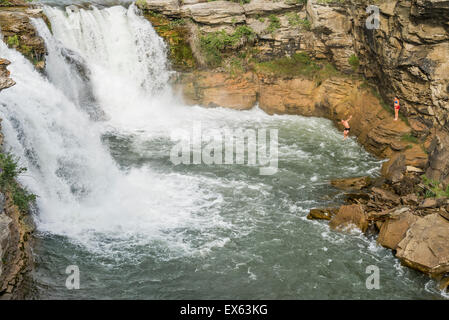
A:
<point x="215" y="12"/>
<point x="322" y="214"/>
<point x="393" y="230"/>
<point x="393" y="170"/>
<point x="349" y="217"/>
<point x="425" y="246"/>
<point x="352" y="183"/>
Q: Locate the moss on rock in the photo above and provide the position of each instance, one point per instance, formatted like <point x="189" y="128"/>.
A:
<point x="176" y="33"/>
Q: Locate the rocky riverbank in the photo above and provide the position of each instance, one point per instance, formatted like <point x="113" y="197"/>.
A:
<point x="407" y="207"/>
<point x="311" y="58"/>
<point x="15" y="232"/>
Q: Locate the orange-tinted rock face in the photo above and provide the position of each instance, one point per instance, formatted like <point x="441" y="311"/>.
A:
<point x="336" y="98"/>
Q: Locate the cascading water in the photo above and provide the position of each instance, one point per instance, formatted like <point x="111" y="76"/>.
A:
<point x="95" y="135"/>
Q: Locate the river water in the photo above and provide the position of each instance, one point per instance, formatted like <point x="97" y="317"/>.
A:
<point x="95" y="133"/>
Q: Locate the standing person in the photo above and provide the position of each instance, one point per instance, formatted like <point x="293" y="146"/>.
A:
<point x="347" y="127"/>
<point x="396" y="108"/>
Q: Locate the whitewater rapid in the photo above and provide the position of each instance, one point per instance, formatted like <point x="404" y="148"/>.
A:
<point x="94" y="132"/>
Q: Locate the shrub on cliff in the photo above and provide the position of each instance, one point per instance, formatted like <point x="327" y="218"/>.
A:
<point x="214" y="44"/>
<point x="10" y="170"/>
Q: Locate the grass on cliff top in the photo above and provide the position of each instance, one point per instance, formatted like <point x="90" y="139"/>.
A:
<point x="214" y="45"/>
<point x="9" y="172"/>
<point x="299" y="64"/>
<point x="434" y="188"/>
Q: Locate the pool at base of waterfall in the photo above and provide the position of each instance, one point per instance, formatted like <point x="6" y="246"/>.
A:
<point x="100" y="134"/>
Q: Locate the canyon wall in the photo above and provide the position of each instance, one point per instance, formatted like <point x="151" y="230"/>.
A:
<point x="405" y="55"/>
<point x="15" y="229"/>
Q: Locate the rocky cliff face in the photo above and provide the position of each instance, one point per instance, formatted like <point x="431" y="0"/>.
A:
<point x="15" y="230"/>
<point x="404" y="56"/>
<point x="20" y="34"/>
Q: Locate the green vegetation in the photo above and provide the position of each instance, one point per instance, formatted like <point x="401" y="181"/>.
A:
<point x="214" y="44"/>
<point x="409" y="138"/>
<point x="434" y="188"/>
<point x="275" y="23"/>
<point x="10" y="170"/>
<point x="13" y="41"/>
<point x="354" y="62"/>
<point x="295" y="21"/>
<point x="175" y="34"/>
<point x="299" y="64"/>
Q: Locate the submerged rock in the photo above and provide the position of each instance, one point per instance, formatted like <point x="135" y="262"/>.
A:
<point x="349" y="217"/>
<point x="322" y="214"/>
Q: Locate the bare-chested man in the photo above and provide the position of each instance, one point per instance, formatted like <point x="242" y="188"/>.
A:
<point x="347" y="127"/>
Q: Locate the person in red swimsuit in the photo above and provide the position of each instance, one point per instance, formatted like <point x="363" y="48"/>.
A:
<point x="396" y="108"/>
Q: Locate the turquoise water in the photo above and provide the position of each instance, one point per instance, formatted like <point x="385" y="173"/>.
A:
<point x="97" y="146"/>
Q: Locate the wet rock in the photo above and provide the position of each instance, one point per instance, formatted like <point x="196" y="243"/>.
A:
<point x="5" y="80"/>
<point x="322" y="214"/>
<point x="348" y="217"/>
<point x="425" y="245"/>
<point x="444" y="284"/>
<point x="357" y="183"/>
<point x="393" y="170"/>
<point x="393" y="230"/>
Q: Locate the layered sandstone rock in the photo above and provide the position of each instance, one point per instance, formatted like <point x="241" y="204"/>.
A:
<point x="19" y="33"/>
<point x="425" y="245"/>
<point x="348" y="217"/>
<point x="5" y="80"/>
<point x="335" y="98"/>
<point x="394" y="229"/>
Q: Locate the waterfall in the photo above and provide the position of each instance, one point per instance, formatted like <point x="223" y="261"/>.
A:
<point x="106" y="72"/>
